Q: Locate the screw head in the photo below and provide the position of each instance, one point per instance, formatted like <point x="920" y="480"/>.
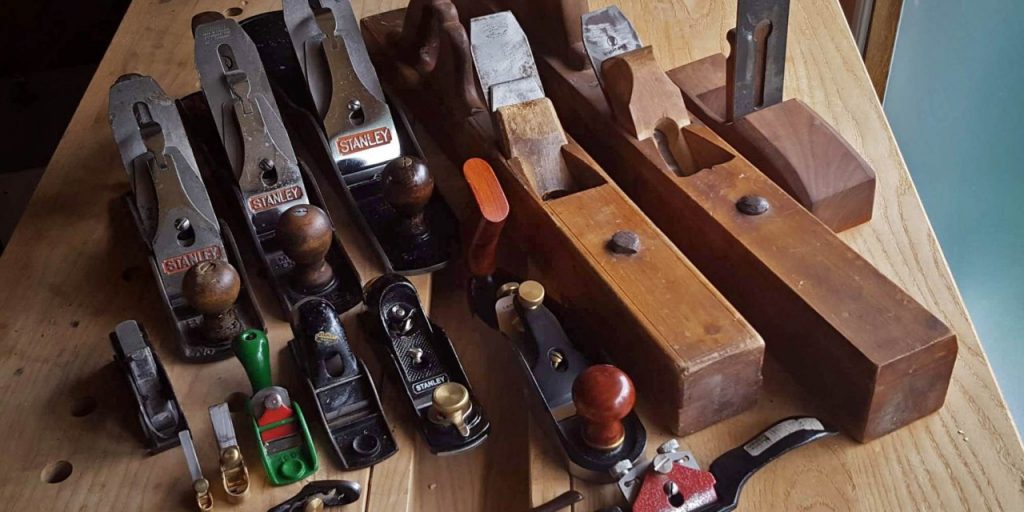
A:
<point x="662" y="463"/>
<point x="669" y="446"/>
<point x="273" y="401"/>
<point x="354" y="105"/>
<point x="752" y="205"/>
<point x="266" y="164"/>
<point x="625" y="242"/>
<point x="621" y="468"/>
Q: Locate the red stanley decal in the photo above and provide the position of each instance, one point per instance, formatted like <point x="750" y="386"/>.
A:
<point x="183" y="262"/>
<point x="363" y="140"/>
<point x="273" y="198"/>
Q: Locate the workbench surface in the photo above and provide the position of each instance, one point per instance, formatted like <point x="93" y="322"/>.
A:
<point x="75" y="267"/>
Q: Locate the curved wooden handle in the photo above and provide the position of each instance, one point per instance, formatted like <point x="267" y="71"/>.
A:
<point x="493" y="207"/>
<point x="435" y="42"/>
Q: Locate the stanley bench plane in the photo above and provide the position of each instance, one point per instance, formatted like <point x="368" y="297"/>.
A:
<point x="740" y="98"/>
<point x="409" y="225"/>
<point x="850" y="335"/>
<point x="282" y="208"/>
<point x="426" y="365"/>
<point x="285" y="445"/>
<point x="586" y="407"/>
<point x="202" y="283"/>
<point x="346" y="398"/>
<point x="632" y="293"/>
<point x="674" y="482"/>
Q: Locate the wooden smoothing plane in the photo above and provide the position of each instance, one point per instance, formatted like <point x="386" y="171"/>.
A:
<point x="375" y="155"/>
<point x="852" y="337"/>
<point x="282" y="208"/>
<point x="586" y="407"/>
<point x="202" y="284"/>
<point x="622" y="284"/>
<point x="740" y="98"/>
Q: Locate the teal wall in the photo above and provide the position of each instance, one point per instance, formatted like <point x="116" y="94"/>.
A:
<point x="955" y="100"/>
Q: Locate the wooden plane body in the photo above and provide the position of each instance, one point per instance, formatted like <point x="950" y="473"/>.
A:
<point x="851" y="336"/>
<point x="692" y="356"/>
<point x="789" y="142"/>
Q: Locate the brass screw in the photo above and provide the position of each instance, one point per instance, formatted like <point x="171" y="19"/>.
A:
<point x="556" y="359"/>
<point x="531" y="294"/>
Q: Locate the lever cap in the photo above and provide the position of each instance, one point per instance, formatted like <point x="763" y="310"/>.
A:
<point x="211" y="287"/>
<point x="603" y="395"/>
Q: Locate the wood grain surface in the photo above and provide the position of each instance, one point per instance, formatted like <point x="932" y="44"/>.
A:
<point x="75" y="267"/>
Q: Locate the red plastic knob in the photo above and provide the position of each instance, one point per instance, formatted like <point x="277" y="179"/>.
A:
<point x="603" y="395"/>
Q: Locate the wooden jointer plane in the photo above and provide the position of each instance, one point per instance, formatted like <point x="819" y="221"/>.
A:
<point x="636" y="298"/>
<point x="852" y="337"/>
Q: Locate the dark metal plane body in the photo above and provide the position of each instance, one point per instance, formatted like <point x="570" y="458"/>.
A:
<point x="424" y="360"/>
<point x="171" y="208"/>
<point x="266" y="176"/>
<point x="346" y="398"/>
<point x="160" y="412"/>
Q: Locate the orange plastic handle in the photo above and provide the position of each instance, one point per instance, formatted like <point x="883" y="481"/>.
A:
<point x="493" y="207"/>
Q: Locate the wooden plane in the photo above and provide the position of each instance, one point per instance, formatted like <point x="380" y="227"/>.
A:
<point x="852" y="337"/>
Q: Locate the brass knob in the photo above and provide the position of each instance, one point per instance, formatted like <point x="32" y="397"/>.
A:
<point x="314" y="504"/>
<point x="531" y="294"/>
<point x="451" y="404"/>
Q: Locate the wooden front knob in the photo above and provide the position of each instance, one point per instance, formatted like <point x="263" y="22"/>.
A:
<point x="212" y="287"/>
<point x="305" y="235"/>
<point x="408" y="186"/>
<point x="603" y="395"/>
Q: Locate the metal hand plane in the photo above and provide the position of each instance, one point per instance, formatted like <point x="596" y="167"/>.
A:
<point x="375" y="159"/>
<point x="202" y="284"/>
<point x="346" y="398"/>
<point x="426" y="365"/>
<point x="586" y="407"/>
<point x="281" y="205"/>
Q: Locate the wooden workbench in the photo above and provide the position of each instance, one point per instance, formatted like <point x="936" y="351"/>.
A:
<point x="75" y="267"/>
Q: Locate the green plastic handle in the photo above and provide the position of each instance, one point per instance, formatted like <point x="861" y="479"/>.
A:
<point x="253" y="350"/>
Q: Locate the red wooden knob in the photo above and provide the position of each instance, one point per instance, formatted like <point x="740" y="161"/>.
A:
<point x="305" y="234"/>
<point x="603" y="395"/>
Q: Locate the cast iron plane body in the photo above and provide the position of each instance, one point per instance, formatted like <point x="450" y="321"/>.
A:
<point x="172" y="210"/>
<point x="160" y="413"/>
<point x="423" y="359"/>
<point x="346" y="398"/>
<point x="264" y="173"/>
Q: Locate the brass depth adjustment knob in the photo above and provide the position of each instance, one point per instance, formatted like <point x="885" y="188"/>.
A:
<point x="450" y="406"/>
<point x="212" y="287"/>
<point x="408" y="186"/>
<point x="530" y="294"/>
<point x="305" y="234"/>
<point x="603" y="395"/>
